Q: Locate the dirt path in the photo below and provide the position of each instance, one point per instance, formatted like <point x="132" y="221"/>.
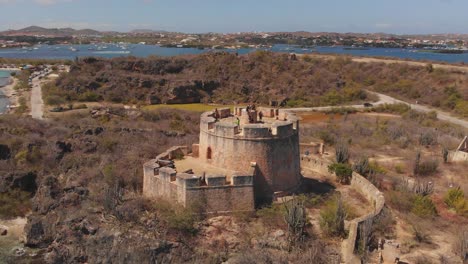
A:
<point x="385" y="99"/>
<point x="37" y="104"/>
<point x="15" y="236"/>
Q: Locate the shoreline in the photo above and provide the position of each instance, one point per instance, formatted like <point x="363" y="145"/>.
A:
<point x="9" y="92"/>
<point x="10" y="69"/>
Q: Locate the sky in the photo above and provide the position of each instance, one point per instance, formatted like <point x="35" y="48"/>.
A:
<point x="200" y="16"/>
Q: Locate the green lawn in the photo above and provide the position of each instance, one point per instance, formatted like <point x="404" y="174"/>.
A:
<point x="188" y="107"/>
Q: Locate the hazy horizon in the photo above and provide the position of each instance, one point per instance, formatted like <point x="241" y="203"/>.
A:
<point x="360" y="16"/>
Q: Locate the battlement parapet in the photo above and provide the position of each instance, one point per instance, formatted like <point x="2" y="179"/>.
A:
<point x="165" y="171"/>
<point x="226" y="129"/>
<point x="218" y="192"/>
<point x="281" y="123"/>
<point x="215" y="180"/>
<point x="256" y="131"/>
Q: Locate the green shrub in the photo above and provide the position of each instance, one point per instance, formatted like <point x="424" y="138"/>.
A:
<point x="23" y="107"/>
<point x="182" y="220"/>
<point x="423" y="206"/>
<point x="399" y="168"/>
<point x="54" y="100"/>
<point x="332" y="218"/>
<point x="392" y="108"/>
<point x="14" y="203"/>
<point x="272" y="215"/>
<point x="89" y="97"/>
<point x="327" y="137"/>
<point x="461" y="108"/>
<point x="427" y="139"/>
<point x="455" y="199"/>
<point x="343" y="172"/>
<point x="452" y="196"/>
<point x="400" y="200"/>
<point x="428" y="167"/>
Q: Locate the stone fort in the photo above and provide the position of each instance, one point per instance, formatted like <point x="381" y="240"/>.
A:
<point x="244" y="158"/>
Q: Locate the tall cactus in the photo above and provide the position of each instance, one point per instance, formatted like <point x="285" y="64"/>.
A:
<point x="296" y="218"/>
<point x="342" y="152"/>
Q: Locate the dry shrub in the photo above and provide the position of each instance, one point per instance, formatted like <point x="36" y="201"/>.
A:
<point x="332" y="218"/>
<point x="14" y="203"/>
<point x="460" y="246"/>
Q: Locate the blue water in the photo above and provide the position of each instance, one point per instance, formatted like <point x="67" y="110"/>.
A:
<point x="137" y="50"/>
<point x="4" y="79"/>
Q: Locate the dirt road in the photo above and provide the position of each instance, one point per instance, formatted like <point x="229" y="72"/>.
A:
<point x="37" y="104"/>
<point x="385" y="99"/>
<point x="445" y="116"/>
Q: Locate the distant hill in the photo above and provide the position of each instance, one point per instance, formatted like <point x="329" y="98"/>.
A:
<point x="56" y="32"/>
<point x="147" y="31"/>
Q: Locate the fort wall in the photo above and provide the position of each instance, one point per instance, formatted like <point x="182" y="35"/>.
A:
<point x="458" y="156"/>
<point x="273" y="146"/>
<point x="361" y="184"/>
<point x="214" y="192"/>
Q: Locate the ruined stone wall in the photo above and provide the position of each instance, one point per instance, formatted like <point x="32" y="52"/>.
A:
<point x="458" y="156"/>
<point x="274" y="149"/>
<point x="214" y="193"/>
<point x="362" y="185"/>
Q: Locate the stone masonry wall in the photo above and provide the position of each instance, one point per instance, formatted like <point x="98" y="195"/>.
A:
<point x="275" y="150"/>
<point x="214" y="193"/>
<point x="363" y="186"/>
<point x="458" y="156"/>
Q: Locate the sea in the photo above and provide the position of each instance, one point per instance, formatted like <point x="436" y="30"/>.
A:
<point x="139" y="50"/>
<point x="4" y="80"/>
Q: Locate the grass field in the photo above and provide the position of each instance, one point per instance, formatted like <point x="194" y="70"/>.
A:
<point x="188" y="107"/>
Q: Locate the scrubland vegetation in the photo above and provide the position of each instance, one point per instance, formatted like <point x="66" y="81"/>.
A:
<point x="78" y="178"/>
<point x="79" y="175"/>
<point x="259" y="77"/>
<point x="222" y="78"/>
<point x="405" y="156"/>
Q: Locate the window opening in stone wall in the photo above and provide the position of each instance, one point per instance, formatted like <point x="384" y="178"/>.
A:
<point x="208" y="153"/>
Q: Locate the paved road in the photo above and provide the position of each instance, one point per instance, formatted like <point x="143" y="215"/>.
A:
<point x="385" y="99"/>
<point x="37" y="104"/>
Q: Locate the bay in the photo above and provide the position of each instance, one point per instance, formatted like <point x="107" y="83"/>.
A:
<point x="71" y="52"/>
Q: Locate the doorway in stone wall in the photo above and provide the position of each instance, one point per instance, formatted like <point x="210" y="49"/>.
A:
<point x="209" y="153"/>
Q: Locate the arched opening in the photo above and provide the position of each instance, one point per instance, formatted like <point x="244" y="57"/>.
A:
<point x="209" y="153"/>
